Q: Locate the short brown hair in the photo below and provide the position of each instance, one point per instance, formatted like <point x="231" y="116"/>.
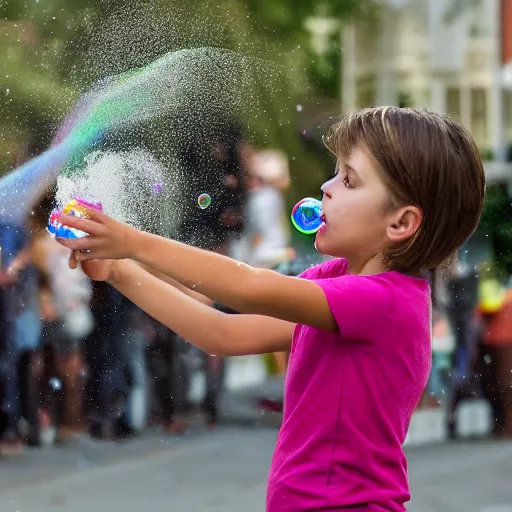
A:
<point x="426" y="160"/>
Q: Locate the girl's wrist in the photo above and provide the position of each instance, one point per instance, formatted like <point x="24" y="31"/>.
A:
<point x="134" y="244"/>
<point x="116" y="272"/>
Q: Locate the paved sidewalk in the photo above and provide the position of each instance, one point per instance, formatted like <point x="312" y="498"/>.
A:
<point x="427" y="425"/>
<point x="226" y="471"/>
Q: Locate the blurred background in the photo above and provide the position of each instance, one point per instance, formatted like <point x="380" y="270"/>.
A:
<point x="92" y="388"/>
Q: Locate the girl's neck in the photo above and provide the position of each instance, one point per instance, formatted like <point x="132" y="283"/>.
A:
<point x="374" y="265"/>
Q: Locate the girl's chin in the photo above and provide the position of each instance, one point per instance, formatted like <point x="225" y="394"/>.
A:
<point x="325" y="246"/>
<point x="320" y="244"/>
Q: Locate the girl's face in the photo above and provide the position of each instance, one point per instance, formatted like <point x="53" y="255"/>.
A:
<point x="355" y="205"/>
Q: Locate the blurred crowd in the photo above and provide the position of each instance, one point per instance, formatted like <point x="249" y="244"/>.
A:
<point x="78" y="358"/>
<point x="472" y="344"/>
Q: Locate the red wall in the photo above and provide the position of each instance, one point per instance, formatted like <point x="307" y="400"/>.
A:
<point x="506" y="30"/>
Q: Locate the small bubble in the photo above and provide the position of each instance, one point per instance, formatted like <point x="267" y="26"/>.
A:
<point x="204" y="200"/>
<point x="55" y="384"/>
<point x="299" y="108"/>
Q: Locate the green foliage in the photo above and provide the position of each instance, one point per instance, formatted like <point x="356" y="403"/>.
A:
<point x="496" y="221"/>
<point x="53" y="50"/>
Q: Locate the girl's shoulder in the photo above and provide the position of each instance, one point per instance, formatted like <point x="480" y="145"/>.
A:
<point x="328" y="269"/>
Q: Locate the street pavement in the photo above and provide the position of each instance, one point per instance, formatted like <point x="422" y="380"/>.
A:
<point x="225" y="470"/>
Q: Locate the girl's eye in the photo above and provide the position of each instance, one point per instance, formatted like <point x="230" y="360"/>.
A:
<point x="346" y="182"/>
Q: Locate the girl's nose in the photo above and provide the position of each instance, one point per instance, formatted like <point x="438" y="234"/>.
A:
<point x="325" y="189"/>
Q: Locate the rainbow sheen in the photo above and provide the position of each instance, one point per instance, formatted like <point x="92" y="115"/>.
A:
<point x="307" y="215"/>
<point x="204" y="200"/>
<point x="76" y="207"/>
<point x="170" y="85"/>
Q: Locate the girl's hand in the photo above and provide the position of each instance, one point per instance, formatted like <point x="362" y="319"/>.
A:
<point x="97" y="270"/>
<point x="108" y="238"/>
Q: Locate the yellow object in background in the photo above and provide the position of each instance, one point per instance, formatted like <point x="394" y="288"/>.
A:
<point x="492" y="295"/>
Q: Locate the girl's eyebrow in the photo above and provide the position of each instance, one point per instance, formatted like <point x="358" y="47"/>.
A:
<point x="349" y="168"/>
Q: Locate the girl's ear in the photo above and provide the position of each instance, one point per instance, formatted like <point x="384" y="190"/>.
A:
<point x="404" y="224"/>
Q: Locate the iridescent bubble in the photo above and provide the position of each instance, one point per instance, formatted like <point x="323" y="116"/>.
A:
<point x="307" y="215"/>
<point x="55" y="384"/>
<point x="204" y="200"/>
<point x="158" y="188"/>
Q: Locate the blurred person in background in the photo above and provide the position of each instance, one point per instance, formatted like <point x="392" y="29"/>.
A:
<point x="24" y="328"/>
<point x="441" y="336"/>
<point x="460" y="306"/>
<point x="67" y="320"/>
<point x="214" y="163"/>
<point x="496" y="347"/>
<point x="108" y="384"/>
<point x="266" y="239"/>
<point x="13" y="241"/>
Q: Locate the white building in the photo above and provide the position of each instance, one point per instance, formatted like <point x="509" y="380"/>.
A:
<point x="442" y="54"/>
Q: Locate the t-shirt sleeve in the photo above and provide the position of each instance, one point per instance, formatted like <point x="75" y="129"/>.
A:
<point x="361" y="305"/>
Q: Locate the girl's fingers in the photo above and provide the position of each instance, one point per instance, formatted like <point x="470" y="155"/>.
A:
<point x="76" y="244"/>
<point x="96" y="215"/>
<point x="72" y="261"/>
<point x="84" y="255"/>
<point x="87" y="225"/>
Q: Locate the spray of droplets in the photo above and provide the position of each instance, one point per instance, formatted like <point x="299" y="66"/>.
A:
<point x="130" y="186"/>
<point x="190" y="92"/>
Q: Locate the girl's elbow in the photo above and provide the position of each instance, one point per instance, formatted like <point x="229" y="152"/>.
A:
<point x="227" y="342"/>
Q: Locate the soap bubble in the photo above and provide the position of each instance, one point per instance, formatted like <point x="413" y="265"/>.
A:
<point x="55" y="384"/>
<point x="204" y="200"/>
<point x="299" y="108"/>
<point x="307" y="215"/>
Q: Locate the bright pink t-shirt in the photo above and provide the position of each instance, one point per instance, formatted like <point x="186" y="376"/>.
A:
<point x="349" y="396"/>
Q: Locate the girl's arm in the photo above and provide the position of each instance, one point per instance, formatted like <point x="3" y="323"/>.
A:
<point x="238" y="286"/>
<point x="210" y="330"/>
<point x="187" y="291"/>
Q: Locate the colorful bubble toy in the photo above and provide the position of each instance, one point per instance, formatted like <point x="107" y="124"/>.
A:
<point x="76" y="207"/>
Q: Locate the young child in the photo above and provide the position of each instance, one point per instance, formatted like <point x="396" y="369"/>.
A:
<point x="408" y="191"/>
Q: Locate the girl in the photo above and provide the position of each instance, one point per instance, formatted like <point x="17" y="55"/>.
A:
<point x="408" y="191"/>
